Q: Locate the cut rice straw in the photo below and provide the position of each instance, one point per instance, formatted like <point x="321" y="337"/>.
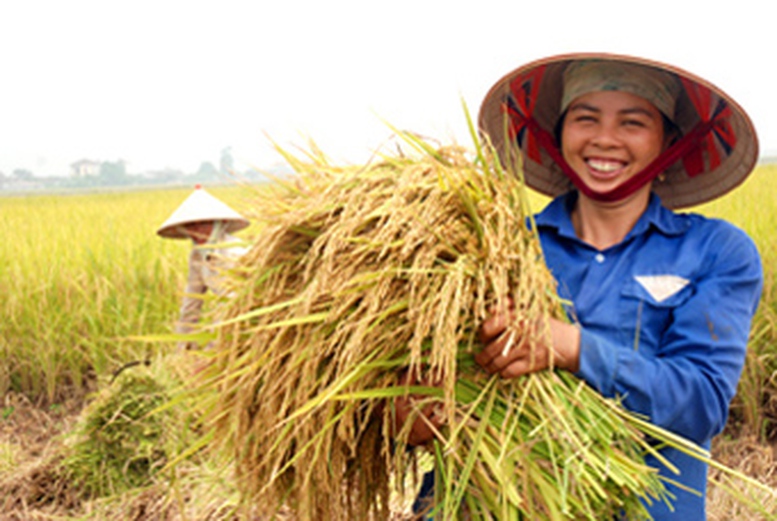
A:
<point x="364" y="273"/>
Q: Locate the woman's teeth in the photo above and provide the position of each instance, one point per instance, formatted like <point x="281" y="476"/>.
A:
<point x="604" y="166"/>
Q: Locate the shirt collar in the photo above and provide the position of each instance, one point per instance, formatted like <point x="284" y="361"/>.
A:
<point x="558" y="215"/>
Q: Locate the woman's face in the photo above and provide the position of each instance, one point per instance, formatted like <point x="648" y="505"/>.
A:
<point x="199" y="231"/>
<point x="609" y="136"/>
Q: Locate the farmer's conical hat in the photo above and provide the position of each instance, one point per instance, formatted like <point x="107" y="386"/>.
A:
<point x="520" y="112"/>
<point x="198" y="207"/>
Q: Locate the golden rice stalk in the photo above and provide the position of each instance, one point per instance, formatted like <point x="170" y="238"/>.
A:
<point x="361" y="273"/>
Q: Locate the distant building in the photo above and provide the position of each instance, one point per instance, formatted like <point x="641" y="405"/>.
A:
<point x="84" y="168"/>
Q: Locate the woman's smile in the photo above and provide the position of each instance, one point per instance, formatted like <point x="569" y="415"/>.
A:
<point x="605" y="168"/>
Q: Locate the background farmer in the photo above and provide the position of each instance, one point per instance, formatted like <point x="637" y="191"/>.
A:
<point x="208" y="222"/>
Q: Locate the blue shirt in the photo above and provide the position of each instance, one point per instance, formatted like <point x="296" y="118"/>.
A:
<point x="664" y="319"/>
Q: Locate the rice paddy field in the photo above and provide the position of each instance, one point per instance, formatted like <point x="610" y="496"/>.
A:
<point x="89" y="298"/>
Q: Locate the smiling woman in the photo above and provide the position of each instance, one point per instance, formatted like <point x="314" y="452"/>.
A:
<point x="660" y="303"/>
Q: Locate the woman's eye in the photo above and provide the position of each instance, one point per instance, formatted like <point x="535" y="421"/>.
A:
<point x="634" y="123"/>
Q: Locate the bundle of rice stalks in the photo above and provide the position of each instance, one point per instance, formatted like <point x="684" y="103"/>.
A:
<point x="112" y="462"/>
<point x="363" y="274"/>
<point x="124" y="437"/>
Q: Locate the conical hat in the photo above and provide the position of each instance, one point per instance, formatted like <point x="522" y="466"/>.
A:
<point x="532" y="93"/>
<point x="201" y="206"/>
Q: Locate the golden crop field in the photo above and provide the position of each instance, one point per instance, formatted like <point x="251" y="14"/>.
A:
<point x="82" y="276"/>
<point x="78" y="274"/>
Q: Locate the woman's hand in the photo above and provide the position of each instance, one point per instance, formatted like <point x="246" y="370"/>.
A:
<point x="426" y="424"/>
<point x="513" y="348"/>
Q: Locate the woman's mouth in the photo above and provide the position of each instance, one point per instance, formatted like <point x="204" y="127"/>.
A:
<point x="604" y="168"/>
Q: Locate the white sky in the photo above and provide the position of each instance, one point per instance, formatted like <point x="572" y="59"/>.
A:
<point x="171" y="83"/>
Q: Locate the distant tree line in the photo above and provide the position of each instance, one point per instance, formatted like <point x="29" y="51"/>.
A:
<point x="115" y="174"/>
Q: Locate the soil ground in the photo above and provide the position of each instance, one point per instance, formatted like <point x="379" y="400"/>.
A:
<point x="30" y="435"/>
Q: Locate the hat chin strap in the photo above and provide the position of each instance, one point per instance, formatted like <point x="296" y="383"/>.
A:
<point x="677" y="150"/>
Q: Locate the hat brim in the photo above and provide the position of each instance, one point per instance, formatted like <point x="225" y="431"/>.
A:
<point x="725" y="165"/>
<point x="200" y="206"/>
<point x="173" y="231"/>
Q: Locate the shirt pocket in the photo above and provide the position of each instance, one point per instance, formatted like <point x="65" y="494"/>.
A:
<point x="643" y="318"/>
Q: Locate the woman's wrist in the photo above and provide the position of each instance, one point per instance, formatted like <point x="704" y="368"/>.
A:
<point x="566" y="345"/>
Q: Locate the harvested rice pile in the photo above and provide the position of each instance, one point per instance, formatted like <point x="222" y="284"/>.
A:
<point x="120" y="441"/>
<point x="364" y="273"/>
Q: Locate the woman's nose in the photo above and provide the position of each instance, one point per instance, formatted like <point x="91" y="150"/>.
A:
<point x="606" y="135"/>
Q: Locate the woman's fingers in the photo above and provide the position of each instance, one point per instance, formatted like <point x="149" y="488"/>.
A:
<point x="494" y="336"/>
<point x="500" y="344"/>
<point x="426" y="423"/>
<point x="528" y="361"/>
<point x="514" y="353"/>
<point x="514" y="347"/>
<point x="492" y="327"/>
<point x="422" y="430"/>
<point x="500" y="317"/>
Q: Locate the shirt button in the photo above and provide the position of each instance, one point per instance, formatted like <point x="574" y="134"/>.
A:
<point x="599" y="258"/>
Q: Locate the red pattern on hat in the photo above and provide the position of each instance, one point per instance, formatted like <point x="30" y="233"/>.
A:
<point x="721" y="138"/>
<point x="520" y="106"/>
